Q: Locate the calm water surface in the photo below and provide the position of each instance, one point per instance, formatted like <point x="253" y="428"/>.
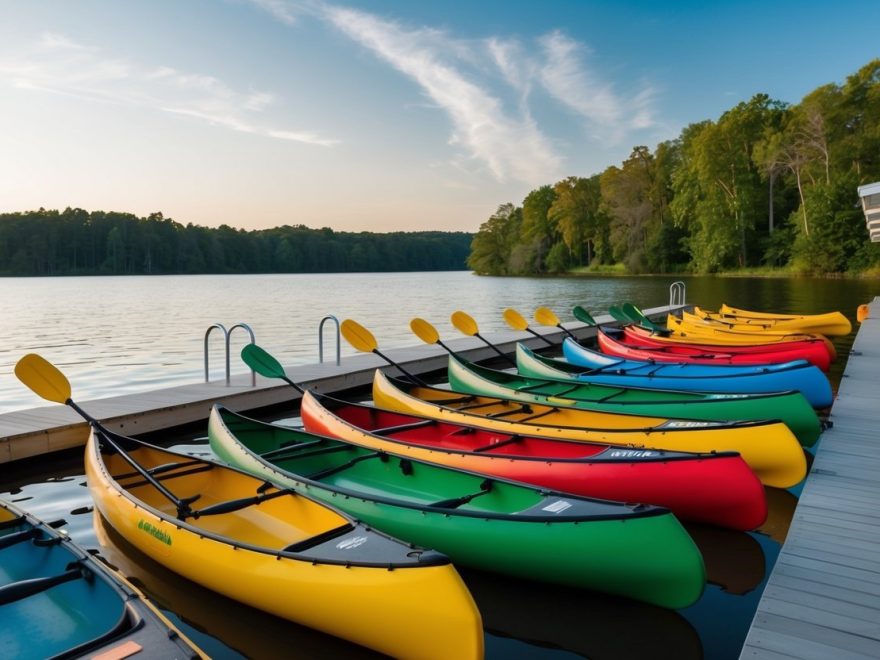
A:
<point x="118" y="335"/>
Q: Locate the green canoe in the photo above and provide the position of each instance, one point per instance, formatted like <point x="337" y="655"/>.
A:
<point x="789" y="407"/>
<point x="634" y="550"/>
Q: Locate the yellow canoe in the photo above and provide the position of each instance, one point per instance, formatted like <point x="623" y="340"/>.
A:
<point x="769" y="448"/>
<point x="284" y="553"/>
<point x="830" y="323"/>
<point x="693" y="322"/>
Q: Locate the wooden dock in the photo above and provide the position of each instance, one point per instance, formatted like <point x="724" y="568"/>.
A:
<point x="38" y="431"/>
<point x="822" y="599"/>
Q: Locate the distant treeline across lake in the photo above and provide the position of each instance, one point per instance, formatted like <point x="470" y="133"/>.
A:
<point x="78" y="242"/>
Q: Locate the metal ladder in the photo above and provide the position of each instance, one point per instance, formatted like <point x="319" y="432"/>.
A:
<point x="677" y="294"/>
<point x="226" y="335"/>
<point x="329" y="317"/>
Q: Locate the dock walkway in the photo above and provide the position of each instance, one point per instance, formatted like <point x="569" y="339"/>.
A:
<point x="822" y="599"/>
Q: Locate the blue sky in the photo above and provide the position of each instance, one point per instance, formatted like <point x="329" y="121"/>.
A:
<point x="377" y="116"/>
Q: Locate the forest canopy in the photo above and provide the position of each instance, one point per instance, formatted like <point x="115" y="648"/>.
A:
<point x="766" y="185"/>
<point x="77" y="242"/>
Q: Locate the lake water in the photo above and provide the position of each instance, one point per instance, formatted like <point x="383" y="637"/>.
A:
<point x="115" y="335"/>
<point x="118" y="335"/>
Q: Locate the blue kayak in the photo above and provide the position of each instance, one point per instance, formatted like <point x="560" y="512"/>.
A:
<point x="587" y="365"/>
<point x="57" y="600"/>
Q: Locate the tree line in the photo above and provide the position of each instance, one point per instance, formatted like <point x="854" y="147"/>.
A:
<point x="78" y="242"/>
<point x="767" y="185"/>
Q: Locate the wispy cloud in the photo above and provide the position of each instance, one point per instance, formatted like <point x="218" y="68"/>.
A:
<point x="480" y="124"/>
<point x="566" y="78"/>
<point x="283" y="11"/>
<point x="58" y="64"/>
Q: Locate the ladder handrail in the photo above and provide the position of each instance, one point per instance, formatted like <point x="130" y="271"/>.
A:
<point x="677" y="293"/>
<point x="227" y="334"/>
<point x="329" y="317"/>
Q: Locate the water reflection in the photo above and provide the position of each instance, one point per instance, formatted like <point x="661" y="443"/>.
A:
<point x="227" y="627"/>
<point x="522" y="619"/>
<point x="587" y="624"/>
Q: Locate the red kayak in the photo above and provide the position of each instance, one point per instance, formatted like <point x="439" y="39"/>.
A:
<point x="623" y="342"/>
<point x="717" y="488"/>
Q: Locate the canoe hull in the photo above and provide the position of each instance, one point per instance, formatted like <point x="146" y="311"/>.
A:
<point x="831" y="323"/>
<point x="613" y="345"/>
<point x="769" y="449"/>
<point x="798" y="375"/>
<point x="789" y="407"/>
<point x="689" y="485"/>
<point x="595" y="554"/>
<point x="350" y="602"/>
<point x="97" y="613"/>
<point x="813" y="350"/>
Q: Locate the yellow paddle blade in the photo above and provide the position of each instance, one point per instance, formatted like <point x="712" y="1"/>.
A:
<point x="43" y="378"/>
<point x="464" y="324"/>
<point x="358" y="336"/>
<point x="424" y="331"/>
<point x="515" y="320"/>
<point x="545" y="316"/>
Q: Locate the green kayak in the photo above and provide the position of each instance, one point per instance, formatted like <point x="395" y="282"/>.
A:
<point x="634" y="550"/>
<point x="789" y="407"/>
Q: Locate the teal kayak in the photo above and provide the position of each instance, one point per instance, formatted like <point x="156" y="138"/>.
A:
<point x="789" y="407"/>
<point x="57" y="600"/>
<point x="634" y="550"/>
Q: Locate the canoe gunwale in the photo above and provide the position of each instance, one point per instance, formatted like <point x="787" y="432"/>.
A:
<point x="666" y="455"/>
<point x="637" y="510"/>
<point x="426" y="558"/>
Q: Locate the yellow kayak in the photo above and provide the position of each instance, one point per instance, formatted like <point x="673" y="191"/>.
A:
<point x="830" y="323"/>
<point x="769" y="448"/>
<point x="284" y="553"/>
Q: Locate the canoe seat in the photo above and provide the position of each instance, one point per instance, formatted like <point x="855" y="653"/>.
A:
<point x="339" y="468"/>
<point x="318" y="539"/>
<point x="496" y="445"/>
<point x="10" y="593"/>
<point x="404" y="427"/>
<point x="455" y="502"/>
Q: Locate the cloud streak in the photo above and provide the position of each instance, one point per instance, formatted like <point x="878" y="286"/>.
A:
<point x="452" y="73"/>
<point x="480" y="124"/>
<point x="59" y="65"/>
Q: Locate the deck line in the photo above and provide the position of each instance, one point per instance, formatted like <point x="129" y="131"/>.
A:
<point x="822" y="599"/>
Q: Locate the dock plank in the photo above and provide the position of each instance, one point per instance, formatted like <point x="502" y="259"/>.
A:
<point x="822" y="599"/>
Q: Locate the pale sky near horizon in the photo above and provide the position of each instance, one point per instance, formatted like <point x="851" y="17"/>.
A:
<point x="379" y="116"/>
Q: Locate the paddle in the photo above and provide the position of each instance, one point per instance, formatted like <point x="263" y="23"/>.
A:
<point x="466" y="325"/>
<point x="518" y="322"/>
<point x="46" y="381"/>
<point x="545" y="316"/>
<point x="363" y="340"/>
<point x="639" y="317"/>
<point x="584" y="316"/>
<point x="428" y="333"/>
<point x="266" y="365"/>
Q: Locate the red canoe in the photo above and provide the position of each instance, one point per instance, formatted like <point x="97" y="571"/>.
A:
<point x="715" y="488"/>
<point x="645" y="347"/>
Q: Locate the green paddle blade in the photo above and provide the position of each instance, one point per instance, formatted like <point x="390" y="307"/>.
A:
<point x="43" y="378"/>
<point x="545" y="316"/>
<point x="515" y="320"/>
<point x="358" y="336"/>
<point x="618" y="314"/>
<point x="464" y="324"/>
<point x="424" y="331"/>
<point x="261" y="362"/>
<point x="639" y="317"/>
<point x="583" y="316"/>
